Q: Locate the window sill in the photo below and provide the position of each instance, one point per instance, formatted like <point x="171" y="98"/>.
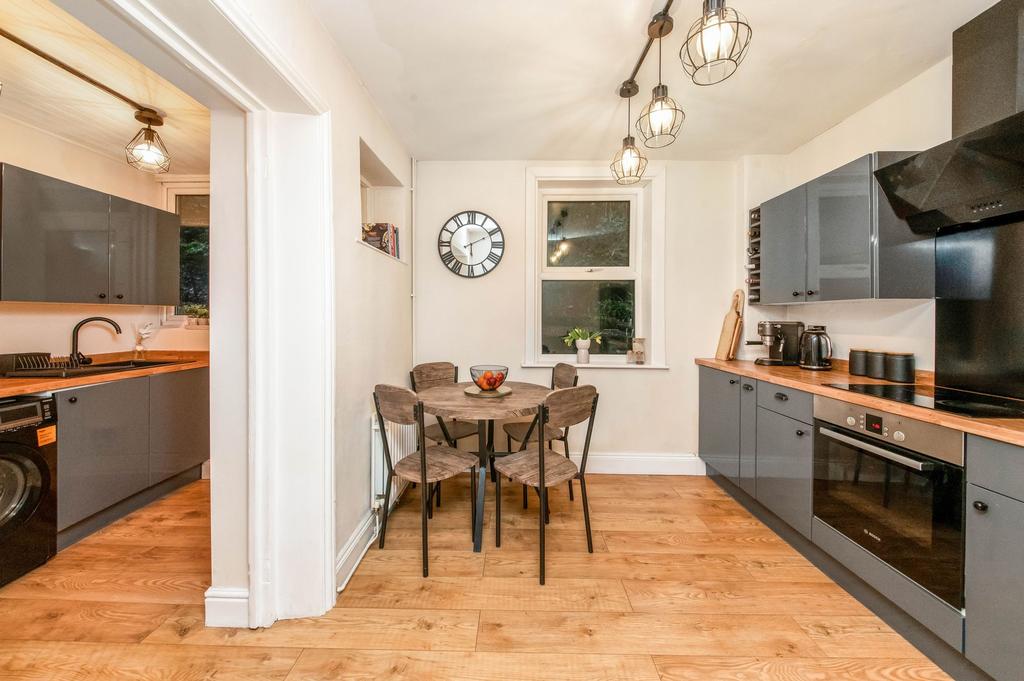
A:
<point x="597" y="365"/>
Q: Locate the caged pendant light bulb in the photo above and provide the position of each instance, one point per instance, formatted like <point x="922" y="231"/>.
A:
<point x="629" y="164"/>
<point x="716" y="44"/>
<point x="146" y="151"/>
<point x="661" y="119"/>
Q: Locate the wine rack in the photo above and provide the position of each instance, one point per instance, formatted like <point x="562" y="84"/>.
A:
<point x="754" y="256"/>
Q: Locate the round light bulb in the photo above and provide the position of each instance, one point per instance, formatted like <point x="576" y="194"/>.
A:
<point x="630" y="160"/>
<point x="717" y="37"/>
<point x="661" y="118"/>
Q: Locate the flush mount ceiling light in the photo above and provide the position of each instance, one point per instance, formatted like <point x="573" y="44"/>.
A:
<point x="629" y="164"/>
<point x="146" y="151"/>
<point x="716" y="44"/>
<point x="661" y="119"/>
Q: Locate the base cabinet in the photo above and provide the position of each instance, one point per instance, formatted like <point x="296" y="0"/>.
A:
<point x="994" y="596"/>
<point x="785" y="464"/>
<point x="179" y="422"/>
<point x="748" y="436"/>
<point x="719" y="433"/>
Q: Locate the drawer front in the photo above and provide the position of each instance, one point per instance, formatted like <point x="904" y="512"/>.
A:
<point x="796" y="404"/>
<point x="996" y="466"/>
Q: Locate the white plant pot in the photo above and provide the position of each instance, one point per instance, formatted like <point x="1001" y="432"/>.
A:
<point x="583" y="351"/>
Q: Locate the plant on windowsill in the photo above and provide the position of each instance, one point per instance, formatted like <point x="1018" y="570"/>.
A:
<point x="582" y="338"/>
<point x="198" y="315"/>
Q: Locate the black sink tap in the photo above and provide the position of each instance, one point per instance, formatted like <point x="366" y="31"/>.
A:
<point x="77" y="358"/>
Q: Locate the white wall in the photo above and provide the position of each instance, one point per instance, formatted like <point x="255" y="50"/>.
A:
<point x="475" y="321"/>
<point x="28" y="327"/>
<point x="915" y="116"/>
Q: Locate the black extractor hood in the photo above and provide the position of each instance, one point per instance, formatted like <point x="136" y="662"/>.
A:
<point x="976" y="177"/>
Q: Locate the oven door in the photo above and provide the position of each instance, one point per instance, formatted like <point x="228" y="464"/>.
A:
<point x="905" y="508"/>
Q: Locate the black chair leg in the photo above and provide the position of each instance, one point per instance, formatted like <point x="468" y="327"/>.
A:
<point x="497" y="511"/>
<point x="525" y="504"/>
<point x="424" y="509"/>
<point x="472" y="499"/>
<point x="437" y="491"/>
<point x="428" y="490"/>
<point x="565" y="444"/>
<point x="494" y="475"/>
<point x="586" y="515"/>
<point x="542" y="516"/>
<point x="385" y="512"/>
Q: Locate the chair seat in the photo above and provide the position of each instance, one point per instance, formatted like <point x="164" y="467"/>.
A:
<point x="524" y="467"/>
<point x="443" y="462"/>
<point x="517" y="431"/>
<point x="457" y="429"/>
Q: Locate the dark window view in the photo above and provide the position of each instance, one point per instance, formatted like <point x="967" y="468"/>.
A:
<point x="605" y="306"/>
<point x="588" y="234"/>
<point x="194" y="211"/>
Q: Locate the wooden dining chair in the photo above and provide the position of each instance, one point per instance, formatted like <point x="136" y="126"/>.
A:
<point x="427" y="467"/>
<point x="562" y="376"/>
<point x="534" y="467"/>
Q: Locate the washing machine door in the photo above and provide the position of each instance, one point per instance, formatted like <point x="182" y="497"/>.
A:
<point x="23" y="479"/>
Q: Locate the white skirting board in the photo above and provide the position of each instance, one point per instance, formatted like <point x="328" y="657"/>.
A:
<point x="227" y="607"/>
<point x="354" y="549"/>
<point x="638" y="463"/>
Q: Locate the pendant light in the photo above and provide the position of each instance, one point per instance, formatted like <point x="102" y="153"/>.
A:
<point x="716" y="44"/>
<point x="629" y="165"/>
<point x="146" y="151"/>
<point x="661" y="119"/>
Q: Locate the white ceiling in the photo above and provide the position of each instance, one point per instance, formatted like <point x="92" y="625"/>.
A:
<point x="42" y="95"/>
<point x="538" y="79"/>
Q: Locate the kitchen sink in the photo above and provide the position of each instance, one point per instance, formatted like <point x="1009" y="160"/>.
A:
<point x="89" y="370"/>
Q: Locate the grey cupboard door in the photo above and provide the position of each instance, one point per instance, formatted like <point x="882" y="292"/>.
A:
<point x="785" y="468"/>
<point x="103" y="436"/>
<point x="784" y="248"/>
<point x="839" y="214"/>
<point x="54" y="240"/>
<point x="179" y="422"/>
<point x="144" y="254"/>
<point x="994" y="596"/>
<point x="748" y="435"/>
<point x="719" y="433"/>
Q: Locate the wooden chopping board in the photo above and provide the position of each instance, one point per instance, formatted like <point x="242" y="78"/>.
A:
<point x="732" y="326"/>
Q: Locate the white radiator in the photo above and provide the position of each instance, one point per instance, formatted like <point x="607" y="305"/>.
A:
<point x="402" y="441"/>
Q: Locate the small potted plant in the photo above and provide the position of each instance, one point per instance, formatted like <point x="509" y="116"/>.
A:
<point x="198" y="315"/>
<point x="582" y="338"/>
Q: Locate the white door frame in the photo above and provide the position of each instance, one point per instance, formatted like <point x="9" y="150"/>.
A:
<point x="237" y="61"/>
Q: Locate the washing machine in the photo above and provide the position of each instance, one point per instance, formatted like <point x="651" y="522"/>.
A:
<point x="28" y="484"/>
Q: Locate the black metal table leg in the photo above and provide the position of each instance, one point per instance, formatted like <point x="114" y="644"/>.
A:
<point x="481" y="487"/>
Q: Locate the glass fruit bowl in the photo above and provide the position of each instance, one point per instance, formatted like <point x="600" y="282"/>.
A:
<point x="488" y="377"/>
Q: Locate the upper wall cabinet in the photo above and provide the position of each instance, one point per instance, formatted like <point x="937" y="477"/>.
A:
<point x="61" y="243"/>
<point x="837" y="238"/>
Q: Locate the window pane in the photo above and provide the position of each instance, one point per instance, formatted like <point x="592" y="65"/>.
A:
<point x="588" y="234"/>
<point x="194" y="211"/>
<point x="605" y="306"/>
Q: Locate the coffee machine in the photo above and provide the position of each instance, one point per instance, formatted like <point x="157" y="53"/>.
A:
<point x="782" y="340"/>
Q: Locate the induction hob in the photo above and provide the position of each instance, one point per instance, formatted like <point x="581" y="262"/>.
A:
<point x="975" y="405"/>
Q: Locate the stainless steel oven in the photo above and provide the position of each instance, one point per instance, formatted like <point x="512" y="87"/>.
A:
<point x="895" y="486"/>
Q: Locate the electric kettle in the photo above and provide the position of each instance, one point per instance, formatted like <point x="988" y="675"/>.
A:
<point x="815" y="349"/>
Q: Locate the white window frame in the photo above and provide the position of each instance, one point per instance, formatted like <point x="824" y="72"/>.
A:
<point x="181" y="185"/>
<point x="647" y="248"/>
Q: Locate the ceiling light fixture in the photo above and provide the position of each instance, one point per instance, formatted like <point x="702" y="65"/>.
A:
<point x="629" y="164"/>
<point x="146" y="151"/>
<point x="661" y="119"/>
<point x="716" y="44"/>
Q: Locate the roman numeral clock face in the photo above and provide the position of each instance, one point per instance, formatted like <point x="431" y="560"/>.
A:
<point x="471" y="244"/>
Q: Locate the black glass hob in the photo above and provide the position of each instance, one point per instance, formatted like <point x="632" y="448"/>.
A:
<point x="975" y="405"/>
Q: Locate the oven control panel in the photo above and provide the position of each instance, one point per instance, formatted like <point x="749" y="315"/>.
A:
<point x="933" y="440"/>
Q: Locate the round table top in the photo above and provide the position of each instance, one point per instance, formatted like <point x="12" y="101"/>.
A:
<point x="451" y="401"/>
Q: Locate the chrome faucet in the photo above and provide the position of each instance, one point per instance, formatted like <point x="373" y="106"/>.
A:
<point x="77" y="358"/>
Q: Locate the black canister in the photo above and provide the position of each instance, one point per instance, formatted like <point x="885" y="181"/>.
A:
<point x="876" y="364"/>
<point x="858" y="362"/>
<point x="899" y="367"/>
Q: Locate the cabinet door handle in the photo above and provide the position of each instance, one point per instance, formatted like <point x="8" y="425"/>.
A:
<point x="120" y="296"/>
<point x="732" y="381"/>
<point x="102" y="296"/>
<point x="782" y="397"/>
<point x="796" y="294"/>
<point x="748" y="387"/>
<point x="980" y="506"/>
<point x="72" y="399"/>
<point x="800" y="433"/>
<point x="812" y="293"/>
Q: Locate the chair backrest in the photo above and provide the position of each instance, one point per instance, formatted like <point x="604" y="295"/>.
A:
<point x="564" y="376"/>
<point x="433" y="374"/>
<point x="569" y="406"/>
<point x="396" y="404"/>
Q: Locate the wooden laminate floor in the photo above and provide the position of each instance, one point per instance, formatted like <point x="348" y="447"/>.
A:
<point x="683" y="585"/>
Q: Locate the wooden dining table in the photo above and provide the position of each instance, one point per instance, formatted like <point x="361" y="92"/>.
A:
<point x="452" y="402"/>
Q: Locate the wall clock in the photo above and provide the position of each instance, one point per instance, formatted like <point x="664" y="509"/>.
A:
<point x="471" y="244"/>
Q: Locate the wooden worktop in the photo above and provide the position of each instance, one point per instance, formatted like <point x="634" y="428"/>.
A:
<point x="10" y="387"/>
<point x="816" y="382"/>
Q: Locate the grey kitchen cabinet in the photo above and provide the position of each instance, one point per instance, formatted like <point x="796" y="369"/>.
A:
<point x="784" y="248"/>
<point x="785" y="474"/>
<point x="748" y="436"/>
<point x="144" y="254"/>
<point x="103" y="434"/>
<point x="179" y="422"/>
<point x="994" y="590"/>
<point x="719" y="433"/>
<point x="53" y="240"/>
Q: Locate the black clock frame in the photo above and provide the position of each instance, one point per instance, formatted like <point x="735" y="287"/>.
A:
<point x="496" y="259"/>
